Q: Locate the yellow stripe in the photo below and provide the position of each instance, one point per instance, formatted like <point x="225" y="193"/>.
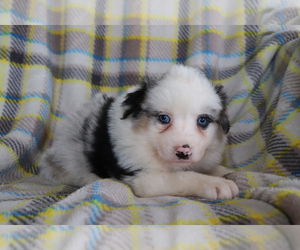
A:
<point x="3" y="74"/>
<point x="258" y="216"/>
<point x="149" y="38"/>
<point x="109" y="6"/>
<point x="290" y="60"/>
<point x="212" y="243"/>
<point x="252" y="236"/>
<point x="90" y="62"/>
<point x="64" y="10"/>
<point x="143" y="14"/>
<point x="192" y="246"/>
<point x="263" y="56"/>
<point x="6" y="16"/>
<point x="22" y="101"/>
<point x="174" y="44"/>
<point x="49" y="236"/>
<point x="272" y="163"/>
<point x="25" y="65"/>
<point x="146" y="17"/>
<point x="106" y="55"/>
<point x="88" y="85"/>
<point x="192" y="31"/>
<point x="135" y="238"/>
<point x="57" y="86"/>
<point x="31" y="9"/>
<point x="240" y="12"/>
<point x="188" y="222"/>
<point x="143" y="50"/>
<point x="25" y="74"/>
<point x="15" y="158"/>
<point x="251" y="180"/>
<point x="17" y="118"/>
<point x="278" y="182"/>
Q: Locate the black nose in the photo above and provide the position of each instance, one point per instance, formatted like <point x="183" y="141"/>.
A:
<point x="182" y="155"/>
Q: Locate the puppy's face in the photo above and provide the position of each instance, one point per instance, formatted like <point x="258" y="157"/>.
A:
<point x="179" y="116"/>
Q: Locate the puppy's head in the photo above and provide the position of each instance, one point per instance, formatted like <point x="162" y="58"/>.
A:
<point x="179" y="116"/>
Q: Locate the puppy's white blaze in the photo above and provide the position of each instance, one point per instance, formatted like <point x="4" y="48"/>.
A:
<point x="184" y="90"/>
<point x="183" y="94"/>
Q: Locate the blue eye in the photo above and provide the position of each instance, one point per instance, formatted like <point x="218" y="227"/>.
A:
<point x="203" y="121"/>
<point x="164" y="119"/>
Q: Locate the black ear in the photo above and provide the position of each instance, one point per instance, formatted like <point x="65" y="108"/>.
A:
<point x="224" y="121"/>
<point x="133" y="102"/>
<point x="223" y="118"/>
<point x="219" y="90"/>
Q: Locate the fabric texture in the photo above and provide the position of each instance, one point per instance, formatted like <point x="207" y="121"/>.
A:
<point x="145" y="237"/>
<point x="48" y="71"/>
<point x="150" y="12"/>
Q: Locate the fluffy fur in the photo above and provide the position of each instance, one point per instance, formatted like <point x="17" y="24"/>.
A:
<point x="162" y="138"/>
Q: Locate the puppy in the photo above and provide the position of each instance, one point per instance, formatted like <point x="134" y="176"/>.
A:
<point x="162" y="138"/>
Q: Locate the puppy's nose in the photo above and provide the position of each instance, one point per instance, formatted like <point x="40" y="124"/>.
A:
<point x="183" y="152"/>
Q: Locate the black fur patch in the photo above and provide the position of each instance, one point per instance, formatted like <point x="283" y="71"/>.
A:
<point x="102" y="158"/>
<point x="222" y="95"/>
<point x="223" y="118"/>
<point x="224" y="121"/>
<point x="133" y="101"/>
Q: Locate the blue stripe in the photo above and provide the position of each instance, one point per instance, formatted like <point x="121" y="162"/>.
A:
<point x="295" y="173"/>
<point x="239" y="96"/>
<point x="59" y="115"/>
<point x="280" y="38"/>
<point x="284" y="116"/>
<point x="22" y="16"/>
<point x="19" y="98"/>
<point x="247" y="121"/>
<point x="95" y="237"/>
<point x="97" y="198"/>
<point x="14" y="193"/>
<point x="206" y="52"/>
<point x="34" y="234"/>
<point x="94" y="209"/>
<point x="22" y="38"/>
<point x="36" y="136"/>
<point x="247" y="162"/>
<point x="283" y="3"/>
<point x="220" y="201"/>
<point x="288" y="96"/>
<point x="233" y="55"/>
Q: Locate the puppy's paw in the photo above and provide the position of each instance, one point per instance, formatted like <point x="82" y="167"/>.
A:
<point x="219" y="188"/>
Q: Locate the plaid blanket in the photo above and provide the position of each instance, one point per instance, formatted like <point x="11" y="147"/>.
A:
<point x="47" y="72"/>
<point x="150" y="12"/>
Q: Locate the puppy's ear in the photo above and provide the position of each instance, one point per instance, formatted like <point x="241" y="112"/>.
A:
<point x="224" y="121"/>
<point x="133" y="102"/>
<point x="223" y="118"/>
<point x="219" y="90"/>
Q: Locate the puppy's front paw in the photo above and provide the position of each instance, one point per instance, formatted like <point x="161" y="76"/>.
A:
<point x="219" y="188"/>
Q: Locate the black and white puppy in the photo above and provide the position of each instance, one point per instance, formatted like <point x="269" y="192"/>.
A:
<point x="161" y="138"/>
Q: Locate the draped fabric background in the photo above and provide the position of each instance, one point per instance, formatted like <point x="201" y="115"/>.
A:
<point x="75" y="50"/>
<point x="146" y="12"/>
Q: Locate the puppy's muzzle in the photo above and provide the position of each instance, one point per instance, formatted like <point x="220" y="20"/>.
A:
<point x="183" y="152"/>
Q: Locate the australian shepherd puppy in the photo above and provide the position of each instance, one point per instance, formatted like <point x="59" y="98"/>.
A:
<point x="161" y="138"/>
